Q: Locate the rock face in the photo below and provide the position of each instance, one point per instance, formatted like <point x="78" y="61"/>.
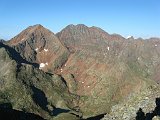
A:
<point x="81" y="71"/>
<point x="140" y="106"/>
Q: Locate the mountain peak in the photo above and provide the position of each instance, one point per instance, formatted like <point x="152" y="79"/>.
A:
<point x="81" y="25"/>
<point x="78" y="26"/>
<point x="31" y="31"/>
<point x="37" y="26"/>
<point x="80" y="35"/>
<point x="38" y="45"/>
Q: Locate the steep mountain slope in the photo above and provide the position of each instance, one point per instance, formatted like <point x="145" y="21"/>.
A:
<point x="31" y="90"/>
<point x="39" y="45"/>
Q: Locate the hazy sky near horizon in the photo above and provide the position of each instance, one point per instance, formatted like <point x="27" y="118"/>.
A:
<point x="140" y="18"/>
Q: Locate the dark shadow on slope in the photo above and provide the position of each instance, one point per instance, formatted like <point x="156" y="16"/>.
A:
<point x="58" y="111"/>
<point x="50" y="74"/>
<point x="141" y="115"/>
<point x="39" y="98"/>
<point x="63" y="80"/>
<point x="157" y="108"/>
<point x="149" y="116"/>
<point x="16" y="56"/>
<point x="98" y="117"/>
<point x="7" y="113"/>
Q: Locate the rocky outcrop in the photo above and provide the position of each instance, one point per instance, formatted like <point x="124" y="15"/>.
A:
<point x="140" y="106"/>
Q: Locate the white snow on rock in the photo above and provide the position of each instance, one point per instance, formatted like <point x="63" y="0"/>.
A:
<point x="128" y="36"/>
<point x="108" y="48"/>
<point x="82" y="82"/>
<point x="36" y="49"/>
<point x="46" y="63"/>
<point x="155" y="45"/>
<point x="41" y="65"/>
<point x="88" y="86"/>
<point x="45" y="50"/>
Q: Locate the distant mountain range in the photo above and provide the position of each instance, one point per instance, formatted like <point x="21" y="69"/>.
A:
<point x="79" y="73"/>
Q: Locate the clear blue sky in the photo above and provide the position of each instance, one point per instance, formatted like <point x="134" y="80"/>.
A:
<point x="140" y="18"/>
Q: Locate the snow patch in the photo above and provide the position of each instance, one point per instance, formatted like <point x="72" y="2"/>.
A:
<point x="82" y="82"/>
<point x="45" y="50"/>
<point x="108" y="48"/>
<point x="155" y="45"/>
<point x="88" y="86"/>
<point x="46" y="63"/>
<point x="41" y="65"/>
<point x="36" y="49"/>
<point x="128" y="36"/>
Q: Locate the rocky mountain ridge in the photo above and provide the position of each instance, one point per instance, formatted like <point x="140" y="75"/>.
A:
<point x="81" y="72"/>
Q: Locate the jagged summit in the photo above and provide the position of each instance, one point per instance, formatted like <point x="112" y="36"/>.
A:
<point x="36" y="26"/>
<point x="79" y="36"/>
<point x="83" y="27"/>
<point x="77" y="25"/>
